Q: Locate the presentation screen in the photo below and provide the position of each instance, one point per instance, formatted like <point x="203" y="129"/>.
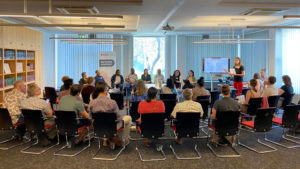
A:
<point x="215" y="65"/>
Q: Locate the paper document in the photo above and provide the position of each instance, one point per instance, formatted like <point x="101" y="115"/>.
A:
<point x="19" y="67"/>
<point x="7" y="68"/>
<point x="232" y="71"/>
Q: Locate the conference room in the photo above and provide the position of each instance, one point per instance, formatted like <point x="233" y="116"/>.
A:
<point x="149" y="84"/>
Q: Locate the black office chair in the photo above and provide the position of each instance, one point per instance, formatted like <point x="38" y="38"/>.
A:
<point x="287" y="101"/>
<point x="50" y="93"/>
<point x="273" y="101"/>
<point x="205" y="105"/>
<point x="34" y="123"/>
<point x="7" y="125"/>
<point x="244" y="91"/>
<point x="168" y="97"/>
<point x="187" y="126"/>
<point x="226" y="124"/>
<point x="253" y="105"/>
<point x="119" y="98"/>
<point x="105" y="127"/>
<point x="261" y="123"/>
<point x="203" y="97"/>
<point x="233" y="93"/>
<point x="169" y="107"/>
<point x="133" y="110"/>
<point x="86" y="98"/>
<point x="152" y="127"/>
<point x="66" y="123"/>
<point x="289" y="120"/>
<point x="214" y="97"/>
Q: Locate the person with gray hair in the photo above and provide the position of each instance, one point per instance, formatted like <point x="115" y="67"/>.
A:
<point x="33" y="102"/>
<point x="12" y="102"/>
<point x="188" y="105"/>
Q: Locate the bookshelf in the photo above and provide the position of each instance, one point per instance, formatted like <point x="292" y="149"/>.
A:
<point x="15" y="65"/>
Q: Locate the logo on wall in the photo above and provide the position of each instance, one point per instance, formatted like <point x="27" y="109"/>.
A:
<point x="106" y="63"/>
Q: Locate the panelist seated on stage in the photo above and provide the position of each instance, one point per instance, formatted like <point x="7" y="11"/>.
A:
<point x="140" y="92"/>
<point x="159" y="79"/>
<point x="146" y="77"/>
<point x="131" y="80"/>
<point x="177" y="79"/>
<point x="117" y="78"/>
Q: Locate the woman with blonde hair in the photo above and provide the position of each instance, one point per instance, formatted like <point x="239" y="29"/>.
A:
<point x="140" y="92"/>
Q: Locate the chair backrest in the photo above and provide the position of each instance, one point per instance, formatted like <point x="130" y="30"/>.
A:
<point x="105" y="125"/>
<point x="167" y="97"/>
<point x="204" y="104"/>
<point x="290" y="116"/>
<point x="244" y="91"/>
<point x="86" y="98"/>
<point x="227" y="123"/>
<point x="273" y="101"/>
<point x="34" y="121"/>
<point x="233" y="93"/>
<point x="133" y="110"/>
<point x="50" y="93"/>
<point x="288" y="100"/>
<point x="187" y="124"/>
<point x="66" y="122"/>
<point x="119" y="98"/>
<point x="203" y="97"/>
<point x="152" y="125"/>
<point x="169" y="107"/>
<point x="5" y="120"/>
<point x="214" y="97"/>
<point x="263" y="119"/>
<point x="253" y="105"/>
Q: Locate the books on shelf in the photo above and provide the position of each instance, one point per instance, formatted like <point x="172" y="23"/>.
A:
<point x="19" y="67"/>
<point x="30" y="67"/>
<point x="9" y="81"/>
<point x="30" y="77"/>
<point x="30" y="55"/>
<point x="21" y="78"/>
<point x="21" y="55"/>
<point x="6" y="68"/>
<point x="9" y="54"/>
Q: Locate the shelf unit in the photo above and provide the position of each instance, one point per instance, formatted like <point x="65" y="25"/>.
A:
<point x="22" y="67"/>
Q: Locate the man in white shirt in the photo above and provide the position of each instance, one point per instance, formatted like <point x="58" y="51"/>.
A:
<point x="188" y="105"/>
<point x="159" y="79"/>
<point x="131" y="80"/>
<point x="271" y="89"/>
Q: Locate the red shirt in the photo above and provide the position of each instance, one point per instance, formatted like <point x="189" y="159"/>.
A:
<point x="151" y="107"/>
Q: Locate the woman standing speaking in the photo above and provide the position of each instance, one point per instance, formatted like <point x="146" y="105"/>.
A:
<point x="238" y="75"/>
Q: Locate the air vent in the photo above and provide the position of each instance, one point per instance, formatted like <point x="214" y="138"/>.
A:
<point x="78" y="10"/>
<point x="262" y="12"/>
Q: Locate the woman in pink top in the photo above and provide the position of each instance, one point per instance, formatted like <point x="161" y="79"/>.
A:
<point x="151" y="105"/>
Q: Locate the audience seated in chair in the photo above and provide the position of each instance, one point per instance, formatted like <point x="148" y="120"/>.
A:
<point x="71" y="103"/>
<point x="104" y="104"/>
<point x="151" y="105"/>
<point x="188" y="105"/>
<point x="62" y="88"/>
<point x="12" y="102"/>
<point x="33" y="102"/>
<point x="252" y="93"/>
<point x="67" y="85"/>
<point x="286" y="91"/>
<point x="88" y="89"/>
<point x="169" y="88"/>
<point x="271" y="89"/>
<point x="226" y="104"/>
<point x="200" y="90"/>
<point x="140" y="92"/>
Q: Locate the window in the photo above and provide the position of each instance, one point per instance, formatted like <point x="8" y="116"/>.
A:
<point x="291" y="56"/>
<point x="149" y="53"/>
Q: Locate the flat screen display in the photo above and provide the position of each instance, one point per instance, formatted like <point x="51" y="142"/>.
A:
<point x="215" y="65"/>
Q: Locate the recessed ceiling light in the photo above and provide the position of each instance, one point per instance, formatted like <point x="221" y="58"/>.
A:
<point x="223" y="24"/>
<point x="238" y="19"/>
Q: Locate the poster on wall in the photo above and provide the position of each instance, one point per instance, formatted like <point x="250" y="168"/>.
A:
<point x="107" y="65"/>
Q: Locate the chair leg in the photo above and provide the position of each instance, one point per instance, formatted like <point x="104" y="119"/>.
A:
<point x="159" y="148"/>
<point x="186" y="158"/>
<point x="106" y="159"/>
<point x="285" y="138"/>
<point x="67" y="144"/>
<point x="260" y="142"/>
<point x="9" y="140"/>
<point x="37" y="153"/>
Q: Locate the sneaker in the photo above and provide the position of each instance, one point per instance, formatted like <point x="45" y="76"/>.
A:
<point x="147" y="142"/>
<point x="178" y="141"/>
<point x="26" y="138"/>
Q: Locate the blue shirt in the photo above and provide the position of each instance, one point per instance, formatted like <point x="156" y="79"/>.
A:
<point x="99" y="79"/>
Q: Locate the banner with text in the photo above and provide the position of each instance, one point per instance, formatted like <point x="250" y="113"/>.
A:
<point x="107" y="65"/>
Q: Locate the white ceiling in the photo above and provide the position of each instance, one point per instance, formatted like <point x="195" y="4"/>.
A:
<point x="191" y="16"/>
